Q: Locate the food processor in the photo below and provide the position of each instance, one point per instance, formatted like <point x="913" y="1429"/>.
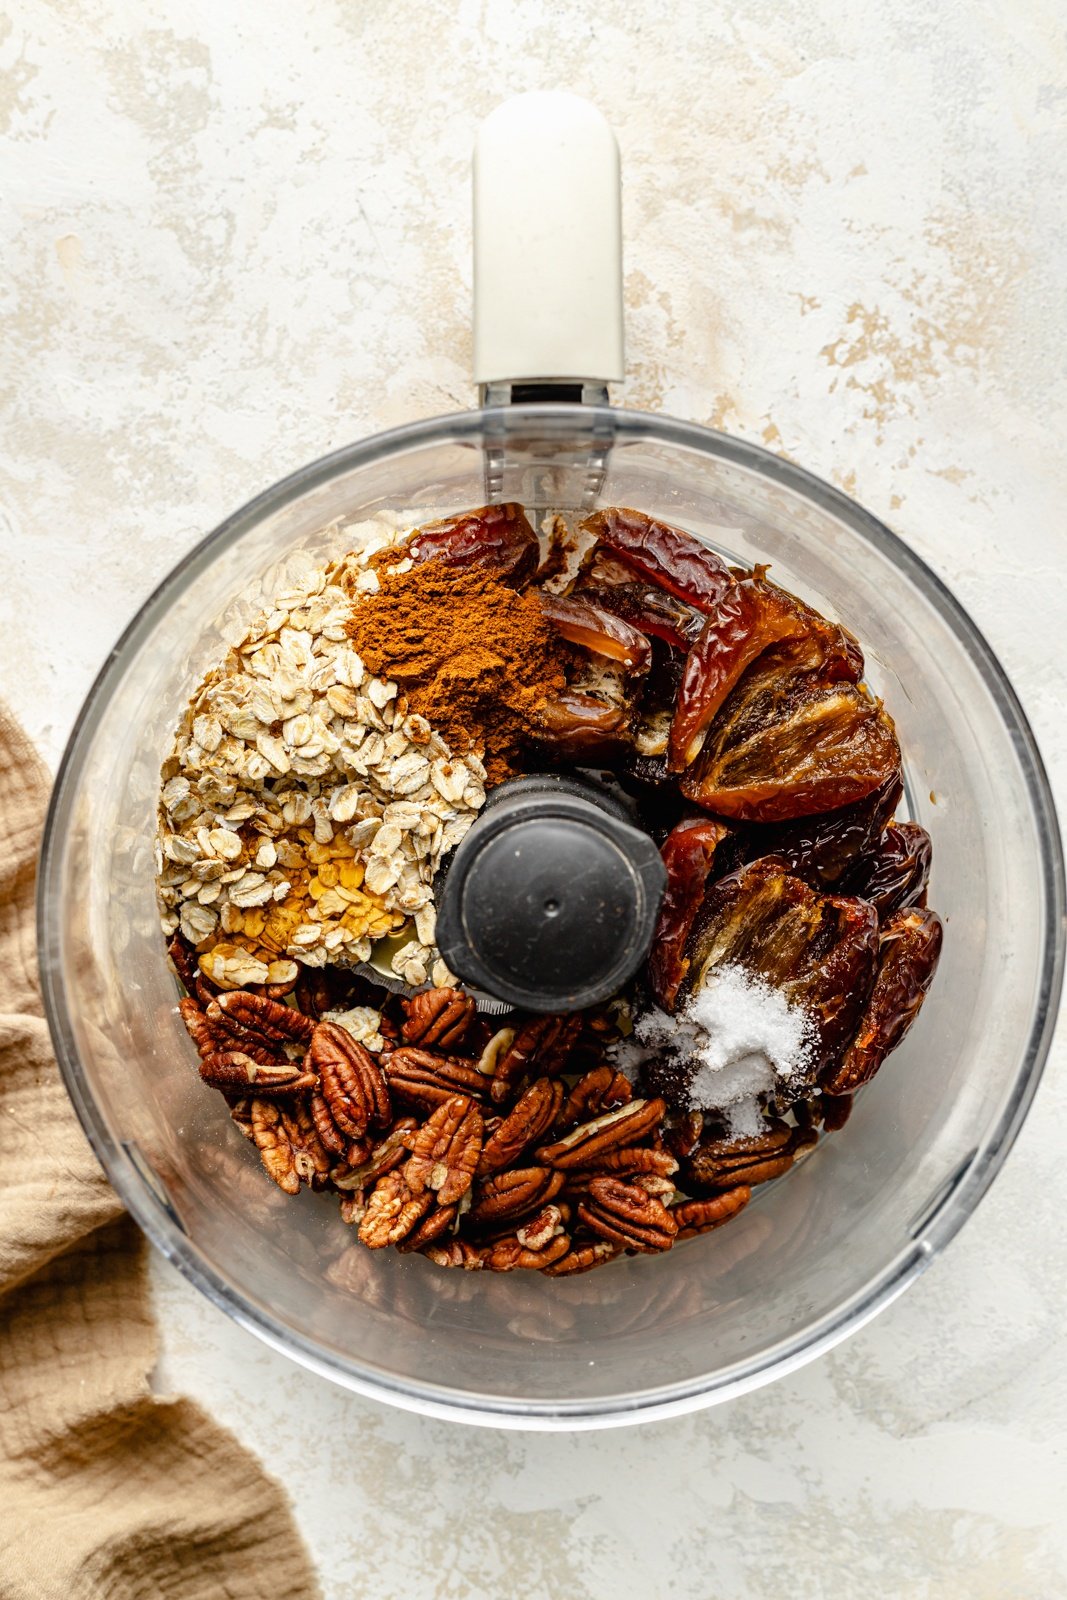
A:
<point x="814" y="1256"/>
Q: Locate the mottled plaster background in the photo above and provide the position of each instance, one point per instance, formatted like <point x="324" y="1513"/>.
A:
<point x="236" y="235"/>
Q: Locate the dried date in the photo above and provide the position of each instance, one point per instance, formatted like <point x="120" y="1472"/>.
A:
<point x="665" y="556"/>
<point x="497" y="536"/>
<point x="908" y="954"/>
<point x="688" y="854"/>
<point x="895" y="874"/>
<point x="597" y="630"/>
<point x="820" y="950"/>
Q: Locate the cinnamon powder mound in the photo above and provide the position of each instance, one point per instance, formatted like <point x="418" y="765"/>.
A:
<point x="473" y="656"/>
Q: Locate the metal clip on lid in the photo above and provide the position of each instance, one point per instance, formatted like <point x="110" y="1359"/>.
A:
<point x="550" y="901"/>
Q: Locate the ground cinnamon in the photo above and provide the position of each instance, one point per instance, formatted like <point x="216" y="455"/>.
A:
<point x="474" y="657"/>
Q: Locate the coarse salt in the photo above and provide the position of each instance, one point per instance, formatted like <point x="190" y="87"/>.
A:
<point x="741" y="1039"/>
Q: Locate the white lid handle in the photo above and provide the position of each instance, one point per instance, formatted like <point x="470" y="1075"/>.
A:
<point x="547" y="243"/>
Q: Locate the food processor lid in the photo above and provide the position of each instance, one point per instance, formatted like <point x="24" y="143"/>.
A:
<point x="550" y="902"/>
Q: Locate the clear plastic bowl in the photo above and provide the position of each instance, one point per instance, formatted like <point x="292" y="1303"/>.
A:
<point x="816" y="1254"/>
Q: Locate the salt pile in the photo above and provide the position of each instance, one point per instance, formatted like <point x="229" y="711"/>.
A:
<point x="741" y="1039"/>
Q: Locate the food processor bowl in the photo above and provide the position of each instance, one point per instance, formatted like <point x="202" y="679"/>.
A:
<point x="815" y="1255"/>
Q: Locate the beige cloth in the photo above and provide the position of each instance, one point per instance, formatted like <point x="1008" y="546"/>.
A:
<point x="105" y="1492"/>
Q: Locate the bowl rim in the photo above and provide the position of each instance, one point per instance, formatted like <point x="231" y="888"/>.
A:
<point x="947" y="1212"/>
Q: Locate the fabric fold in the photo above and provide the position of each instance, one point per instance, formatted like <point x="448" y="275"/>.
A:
<point x="105" y="1491"/>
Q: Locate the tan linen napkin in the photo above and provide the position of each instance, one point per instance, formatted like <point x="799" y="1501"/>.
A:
<point x="105" y="1492"/>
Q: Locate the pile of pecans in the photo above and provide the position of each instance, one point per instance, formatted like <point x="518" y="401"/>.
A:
<point x="520" y="1148"/>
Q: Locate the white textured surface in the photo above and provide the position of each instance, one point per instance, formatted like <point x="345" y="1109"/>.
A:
<point x="239" y="236"/>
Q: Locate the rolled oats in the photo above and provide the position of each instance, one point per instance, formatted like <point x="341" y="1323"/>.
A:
<point x="304" y="810"/>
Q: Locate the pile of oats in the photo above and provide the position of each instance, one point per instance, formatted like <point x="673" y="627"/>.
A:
<point x="304" y="810"/>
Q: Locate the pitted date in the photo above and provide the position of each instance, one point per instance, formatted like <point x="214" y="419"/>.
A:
<point x="497" y="536"/>
<point x="688" y="854"/>
<point x="579" y="727"/>
<point x="657" y="613"/>
<point x="751" y="616"/>
<point x="784" y="749"/>
<point x="825" y="848"/>
<point x="895" y="874"/>
<point x="598" y="630"/>
<point x="820" y="950"/>
<point x="665" y="556"/>
<point x="908" y="954"/>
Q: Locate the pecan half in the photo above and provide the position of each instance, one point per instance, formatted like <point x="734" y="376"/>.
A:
<point x="385" y="1157"/>
<point x="532" y="1115"/>
<point x="393" y="1211"/>
<point x="445" y="1150"/>
<point x="437" y="1019"/>
<point x="274" y="1145"/>
<point x="682" y="1139"/>
<point x="236" y="1069"/>
<point x="424" y="1080"/>
<point x="545" y="1041"/>
<point x="510" y="1255"/>
<point x="583" y="1258"/>
<point x="542" y="1229"/>
<point x="456" y="1253"/>
<point x="183" y="960"/>
<point x="701" y="1216"/>
<point x="332" y="1139"/>
<point x="718" y="1164"/>
<point x="241" y="1113"/>
<point x="352" y="1083"/>
<point x="209" y="1037"/>
<point x="430" y="1228"/>
<point x="310" y="1159"/>
<point x="494" y="1049"/>
<point x="632" y="1159"/>
<point x="625" y="1215"/>
<point x="602" y="1089"/>
<point x="584" y="1145"/>
<point x="318" y="989"/>
<point x="256" y="1014"/>
<point x="512" y="1194"/>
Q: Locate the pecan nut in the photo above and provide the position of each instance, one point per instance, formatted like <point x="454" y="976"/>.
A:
<point x="424" y="1080"/>
<point x="310" y="1160"/>
<point x="701" y="1216"/>
<point x="241" y="1113"/>
<point x="586" y="1144"/>
<point x="393" y="1211"/>
<point x="445" y="1150"/>
<point x="583" y="1258"/>
<point x="183" y="960"/>
<point x="628" y="1162"/>
<point x="602" y="1089"/>
<point x="386" y="1156"/>
<point x="267" y="1019"/>
<point x="532" y="1115"/>
<point x="274" y="1145"/>
<point x="512" y="1194"/>
<point x="456" y="1253"/>
<point x="430" y="1229"/>
<point x="718" y="1164"/>
<point x="239" y="1070"/>
<point x="625" y="1215"/>
<point x="510" y="1255"/>
<point x="332" y="1138"/>
<point x="545" y="1042"/>
<point x="541" y="1229"/>
<point x="352" y="1083"/>
<point x="437" y="1019"/>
